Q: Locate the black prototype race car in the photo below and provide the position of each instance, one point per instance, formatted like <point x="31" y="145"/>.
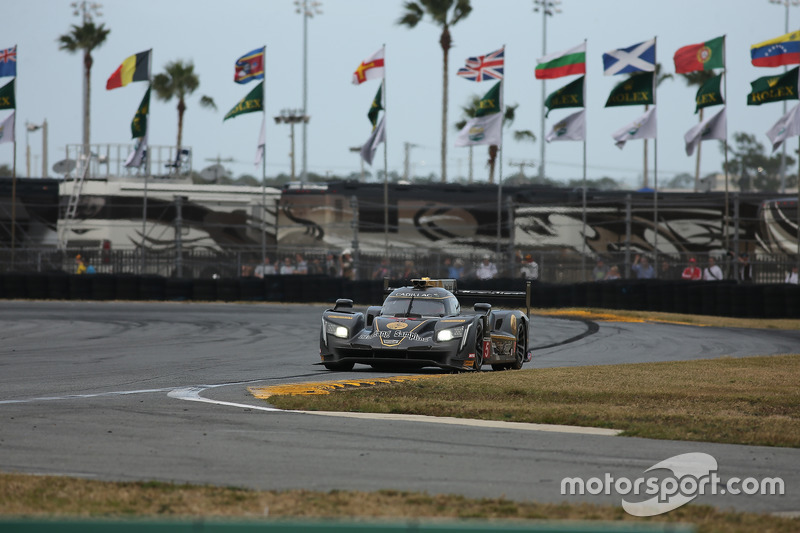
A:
<point x="423" y="325"/>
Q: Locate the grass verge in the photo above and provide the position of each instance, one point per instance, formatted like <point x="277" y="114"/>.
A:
<point x="61" y="497"/>
<point x="752" y="400"/>
<point x="671" y="318"/>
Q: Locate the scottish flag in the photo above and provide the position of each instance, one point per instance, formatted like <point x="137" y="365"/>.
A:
<point x="637" y="58"/>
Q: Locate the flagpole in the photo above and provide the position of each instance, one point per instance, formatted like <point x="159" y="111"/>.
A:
<point x="147" y="163"/>
<point x="583" y="196"/>
<point x="500" y="164"/>
<point x="264" y="168"/>
<point x="385" y="167"/>
<point x="725" y="81"/>
<point x="655" y="160"/>
<point x="14" y="186"/>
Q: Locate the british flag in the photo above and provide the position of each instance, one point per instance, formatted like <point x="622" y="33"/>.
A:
<point x="8" y="62"/>
<point x="484" y="68"/>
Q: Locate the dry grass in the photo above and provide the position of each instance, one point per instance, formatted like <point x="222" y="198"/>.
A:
<point x="673" y="318"/>
<point x="752" y="400"/>
<point x="59" y="497"/>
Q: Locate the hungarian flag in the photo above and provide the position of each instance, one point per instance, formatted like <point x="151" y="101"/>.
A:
<point x="7" y="99"/>
<point x="783" y="50"/>
<point x="774" y="88"/>
<point x="570" y="95"/>
<point x="254" y="101"/>
<point x="715" y="127"/>
<point x="636" y="90"/>
<point x="134" y="68"/>
<point x="703" y="56"/>
<point x="139" y="123"/>
<point x="563" y="63"/>
<point x="371" y="68"/>
<point x="572" y="128"/>
<point x="249" y="67"/>
<point x="709" y="94"/>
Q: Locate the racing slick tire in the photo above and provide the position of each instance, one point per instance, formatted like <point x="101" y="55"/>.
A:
<point x="522" y="343"/>
<point x="341" y="366"/>
<point x="478" y="348"/>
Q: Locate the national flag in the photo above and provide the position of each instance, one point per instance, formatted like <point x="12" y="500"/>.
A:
<point x="774" y="88"/>
<point x="262" y="142"/>
<point x="7" y="95"/>
<point x="636" y="90"/>
<point x="563" y="63"/>
<point x="787" y="126"/>
<point x="702" y="56"/>
<point x="8" y="62"/>
<point x="376" y="107"/>
<point x="643" y="127"/>
<point x="249" y="67"/>
<point x="484" y="68"/>
<point x="254" y="101"/>
<point x="640" y="57"/>
<point x="7" y="129"/>
<point x="139" y="123"/>
<point x="572" y="128"/>
<point x="139" y="155"/>
<point x="372" y="68"/>
<point x="783" y="50"/>
<point x="377" y="136"/>
<point x="134" y="68"/>
<point x="709" y="94"/>
<point x="485" y="129"/>
<point x="715" y="127"/>
<point x="570" y="95"/>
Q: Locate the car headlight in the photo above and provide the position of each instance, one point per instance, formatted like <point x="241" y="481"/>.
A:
<point x="337" y="330"/>
<point x="450" y="334"/>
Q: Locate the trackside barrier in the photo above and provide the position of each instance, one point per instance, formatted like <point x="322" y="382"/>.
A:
<point x="108" y="526"/>
<point x="722" y="298"/>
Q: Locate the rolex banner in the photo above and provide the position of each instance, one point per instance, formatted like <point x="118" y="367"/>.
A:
<point x="7" y="100"/>
<point x="570" y="95"/>
<point x="636" y="90"/>
<point x="774" y="88"/>
<point x="254" y="101"/>
<point x="709" y="94"/>
<point x="139" y="123"/>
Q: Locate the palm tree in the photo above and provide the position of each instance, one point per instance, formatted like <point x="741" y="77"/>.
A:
<point x="86" y="37"/>
<point x="440" y="12"/>
<point x="697" y="79"/>
<point x="179" y="80"/>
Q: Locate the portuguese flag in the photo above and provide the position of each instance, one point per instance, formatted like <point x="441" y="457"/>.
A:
<point x="135" y="68"/>
<point x="564" y="63"/>
<point x="703" y="56"/>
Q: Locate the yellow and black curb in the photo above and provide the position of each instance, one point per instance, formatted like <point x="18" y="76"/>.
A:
<point x="326" y="387"/>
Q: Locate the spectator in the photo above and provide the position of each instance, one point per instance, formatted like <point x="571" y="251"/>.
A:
<point x="265" y="269"/>
<point x="301" y="267"/>
<point x="316" y="268"/>
<point x="457" y="270"/>
<point x="600" y="270"/>
<point x="347" y="266"/>
<point x="287" y="267"/>
<point x="666" y="271"/>
<point x="613" y="273"/>
<point x="529" y="269"/>
<point x="247" y="271"/>
<point x="744" y="270"/>
<point x="642" y="268"/>
<point x="487" y="269"/>
<point x="332" y="267"/>
<point x="712" y="272"/>
<point x="791" y="277"/>
<point x="692" y="271"/>
<point x="80" y="265"/>
<point x="383" y="270"/>
<point x="409" y="271"/>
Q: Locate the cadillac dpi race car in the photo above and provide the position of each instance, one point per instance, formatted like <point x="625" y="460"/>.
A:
<point x="423" y="325"/>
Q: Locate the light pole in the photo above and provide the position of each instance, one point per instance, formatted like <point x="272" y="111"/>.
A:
<point x="548" y="8"/>
<point x="292" y="117"/>
<point x="306" y="8"/>
<point x="785" y="3"/>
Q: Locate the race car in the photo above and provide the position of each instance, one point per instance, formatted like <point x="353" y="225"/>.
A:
<point x="423" y="325"/>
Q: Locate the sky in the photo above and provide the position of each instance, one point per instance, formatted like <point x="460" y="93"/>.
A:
<point x="214" y="34"/>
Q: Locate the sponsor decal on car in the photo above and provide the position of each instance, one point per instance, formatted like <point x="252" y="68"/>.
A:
<point x="397" y="325"/>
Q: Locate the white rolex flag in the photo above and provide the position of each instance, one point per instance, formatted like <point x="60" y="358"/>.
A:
<point x="715" y="127"/>
<point x="377" y="136"/>
<point x="643" y="127"/>
<point x="481" y="130"/>
<point x="137" y="157"/>
<point x="7" y="129"/>
<point x="572" y="128"/>
<point x="787" y="126"/>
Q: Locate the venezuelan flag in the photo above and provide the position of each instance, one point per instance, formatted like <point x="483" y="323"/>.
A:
<point x="783" y="50"/>
<point x="134" y="68"/>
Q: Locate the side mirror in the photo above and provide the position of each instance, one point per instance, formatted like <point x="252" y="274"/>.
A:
<point x="343" y="303"/>
<point x="483" y="308"/>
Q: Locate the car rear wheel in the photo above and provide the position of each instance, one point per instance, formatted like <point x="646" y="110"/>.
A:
<point x="478" y="347"/>
<point x="341" y="366"/>
<point x="522" y="343"/>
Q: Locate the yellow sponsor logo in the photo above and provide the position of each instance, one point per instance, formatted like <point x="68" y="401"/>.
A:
<point x="397" y="325"/>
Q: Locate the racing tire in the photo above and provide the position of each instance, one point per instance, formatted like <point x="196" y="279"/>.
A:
<point x="522" y="343"/>
<point x="478" y="364"/>
<point x="341" y="366"/>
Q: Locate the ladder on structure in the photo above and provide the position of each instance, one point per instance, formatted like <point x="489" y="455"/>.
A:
<point x="72" y="206"/>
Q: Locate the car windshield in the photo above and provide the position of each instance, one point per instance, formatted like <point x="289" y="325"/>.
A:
<point x="413" y="307"/>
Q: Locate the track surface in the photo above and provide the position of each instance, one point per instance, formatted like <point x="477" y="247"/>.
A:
<point x="98" y="390"/>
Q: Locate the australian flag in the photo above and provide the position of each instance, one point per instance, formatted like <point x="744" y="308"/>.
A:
<point x="250" y="67"/>
<point x="637" y="58"/>
<point x="8" y="62"/>
<point x="484" y="68"/>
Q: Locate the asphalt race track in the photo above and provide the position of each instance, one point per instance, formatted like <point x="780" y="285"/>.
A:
<point x="144" y="391"/>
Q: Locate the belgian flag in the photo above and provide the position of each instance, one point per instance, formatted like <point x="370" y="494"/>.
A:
<point x="134" y="68"/>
